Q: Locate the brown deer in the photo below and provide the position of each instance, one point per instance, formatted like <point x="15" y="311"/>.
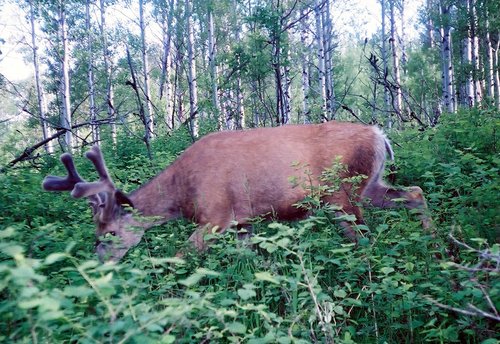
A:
<point x="228" y="178"/>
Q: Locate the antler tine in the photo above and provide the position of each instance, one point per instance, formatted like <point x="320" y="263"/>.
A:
<point x="55" y="183"/>
<point x="105" y="184"/>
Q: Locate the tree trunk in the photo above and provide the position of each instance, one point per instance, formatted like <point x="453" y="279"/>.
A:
<point x="398" y="98"/>
<point x="108" y="73"/>
<point x="90" y="76"/>
<point x="193" y="86"/>
<point x="477" y="84"/>
<point x="65" y="87"/>
<point x="387" y="101"/>
<point x="240" y="110"/>
<point x="214" y="70"/>
<point x="467" y="89"/>
<point x="305" y="70"/>
<point x="140" y="105"/>
<point x="430" y="24"/>
<point x="447" y="67"/>
<point x="165" y="87"/>
<point x="328" y="50"/>
<point x="145" y="66"/>
<point x="489" y="60"/>
<point x="321" y="59"/>
<point x="496" y="74"/>
<point x="42" y="106"/>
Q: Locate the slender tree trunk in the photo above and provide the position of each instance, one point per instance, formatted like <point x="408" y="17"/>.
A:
<point x="489" y="62"/>
<point x="496" y="73"/>
<point x="447" y="67"/>
<point x="140" y="105"/>
<point x="145" y="65"/>
<point x="90" y="76"/>
<point x="65" y="87"/>
<point x="42" y="106"/>
<point x="108" y="73"/>
<point x="214" y="70"/>
<point x="387" y="102"/>
<point x="165" y="87"/>
<point x="477" y="84"/>
<point x="305" y="70"/>
<point x="193" y="85"/>
<point x="398" y="98"/>
<point x="328" y="50"/>
<point x="321" y="58"/>
<point x="467" y="89"/>
<point x="240" y="110"/>
<point x="430" y="24"/>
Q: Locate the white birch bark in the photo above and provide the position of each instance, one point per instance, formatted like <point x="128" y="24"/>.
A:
<point x="496" y="73"/>
<point x="65" y="86"/>
<point x="321" y="58"/>
<point x="193" y="86"/>
<point x="165" y="87"/>
<point x="240" y="109"/>
<point x="90" y="76"/>
<point x="305" y="69"/>
<point x="145" y="69"/>
<point x="328" y="46"/>
<point x="398" y="98"/>
<point x="387" y="101"/>
<point x="448" y="96"/>
<point x="468" y="87"/>
<point x="477" y="84"/>
<point x="108" y="72"/>
<point x="214" y="69"/>
<point x="489" y="61"/>
<point x="42" y="105"/>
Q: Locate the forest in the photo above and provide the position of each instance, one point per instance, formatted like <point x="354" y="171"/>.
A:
<point x="145" y="79"/>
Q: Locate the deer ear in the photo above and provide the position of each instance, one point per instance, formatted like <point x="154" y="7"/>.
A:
<point x="122" y="199"/>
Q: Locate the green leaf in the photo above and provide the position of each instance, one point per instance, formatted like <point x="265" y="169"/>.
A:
<point x="386" y="270"/>
<point x="340" y="293"/>
<point x="266" y="276"/>
<point x="237" y="327"/>
<point x="77" y="291"/>
<point x="7" y="232"/>
<point x="246" y="294"/>
<point x="13" y="250"/>
<point x="54" y="257"/>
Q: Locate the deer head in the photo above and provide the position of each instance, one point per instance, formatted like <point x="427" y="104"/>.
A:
<point x="117" y="230"/>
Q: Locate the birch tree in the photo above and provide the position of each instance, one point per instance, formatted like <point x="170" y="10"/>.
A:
<point x="213" y="66"/>
<point x="90" y="75"/>
<point x="106" y="53"/>
<point x="385" y="64"/>
<point x="40" y="94"/>
<point x="398" y="98"/>
<point x="320" y="41"/>
<point x="145" y="70"/>
<point x="165" y="86"/>
<point x="64" y="81"/>
<point x="192" y="82"/>
<point x="448" y="95"/>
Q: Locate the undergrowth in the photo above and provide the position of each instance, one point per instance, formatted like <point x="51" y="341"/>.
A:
<point x="297" y="282"/>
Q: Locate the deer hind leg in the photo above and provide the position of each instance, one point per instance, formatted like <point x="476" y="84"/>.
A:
<point x="378" y="195"/>
<point x="349" y="207"/>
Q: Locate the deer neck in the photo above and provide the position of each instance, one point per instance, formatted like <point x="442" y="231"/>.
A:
<point x="158" y="198"/>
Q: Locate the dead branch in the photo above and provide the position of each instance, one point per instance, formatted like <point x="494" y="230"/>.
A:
<point x="27" y="153"/>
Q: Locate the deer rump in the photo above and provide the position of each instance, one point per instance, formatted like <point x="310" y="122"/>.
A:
<point x="234" y="176"/>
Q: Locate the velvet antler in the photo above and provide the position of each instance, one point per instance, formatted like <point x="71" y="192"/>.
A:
<point x="101" y="194"/>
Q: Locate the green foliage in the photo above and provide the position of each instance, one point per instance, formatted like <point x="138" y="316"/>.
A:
<point x="458" y="164"/>
<point x="296" y="282"/>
